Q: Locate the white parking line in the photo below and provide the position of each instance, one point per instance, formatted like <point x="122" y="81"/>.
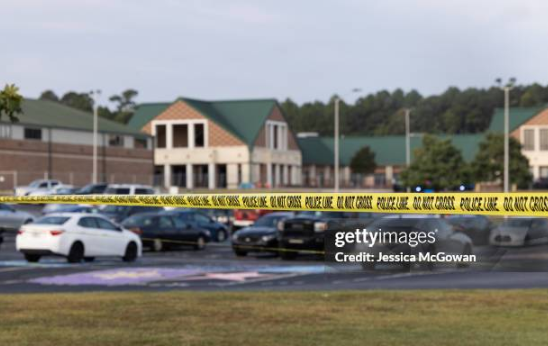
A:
<point x="13" y="269"/>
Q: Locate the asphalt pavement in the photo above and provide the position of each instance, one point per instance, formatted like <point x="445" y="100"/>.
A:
<point x="217" y="268"/>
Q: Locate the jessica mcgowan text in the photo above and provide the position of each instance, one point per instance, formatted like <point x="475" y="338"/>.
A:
<point x="421" y="257"/>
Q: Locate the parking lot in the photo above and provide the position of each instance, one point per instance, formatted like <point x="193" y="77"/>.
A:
<point x="217" y="268"/>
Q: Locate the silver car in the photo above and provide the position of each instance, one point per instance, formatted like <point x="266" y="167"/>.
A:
<point x="11" y="219"/>
<point x="520" y="231"/>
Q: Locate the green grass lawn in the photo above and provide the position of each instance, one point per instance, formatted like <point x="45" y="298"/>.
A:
<point x="516" y="317"/>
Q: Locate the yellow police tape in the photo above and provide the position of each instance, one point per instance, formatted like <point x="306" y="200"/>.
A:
<point x="511" y="204"/>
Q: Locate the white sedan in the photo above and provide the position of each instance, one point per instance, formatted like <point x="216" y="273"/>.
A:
<point x="77" y="236"/>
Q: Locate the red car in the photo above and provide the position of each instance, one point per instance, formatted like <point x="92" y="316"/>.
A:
<point x="247" y="217"/>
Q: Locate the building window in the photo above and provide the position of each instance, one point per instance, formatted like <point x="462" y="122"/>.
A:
<point x="5" y="131"/>
<point x="140" y="143"/>
<point x="180" y="136"/>
<point x="160" y="136"/>
<point x="529" y="139"/>
<point x="543" y="139"/>
<point x="543" y="172"/>
<point x="275" y="137"/>
<point x="31" y="133"/>
<point x="199" y="135"/>
<point x="115" y="141"/>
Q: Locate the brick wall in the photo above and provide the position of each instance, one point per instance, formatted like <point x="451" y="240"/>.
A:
<point x="71" y="163"/>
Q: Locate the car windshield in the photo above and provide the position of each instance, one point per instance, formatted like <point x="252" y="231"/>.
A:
<point x="395" y="225"/>
<point x="137" y="220"/>
<point x="118" y="191"/>
<point x="115" y="209"/>
<point x="517" y="222"/>
<point x="86" y="189"/>
<point x="323" y="214"/>
<point x="462" y="221"/>
<point x="52" y="220"/>
<point x="36" y="183"/>
<point x="269" y="221"/>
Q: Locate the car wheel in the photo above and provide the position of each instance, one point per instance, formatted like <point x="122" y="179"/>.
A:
<point x="76" y="253"/>
<point x="467" y="251"/>
<point x="288" y="255"/>
<point x="89" y="259"/>
<point x="32" y="258"/>
<point x="200" y="243"/>
<point x="131" y="252"/>
<point x="221" y="235"/>
<point x="240" y="253"/>
<point x="157" y="245"/>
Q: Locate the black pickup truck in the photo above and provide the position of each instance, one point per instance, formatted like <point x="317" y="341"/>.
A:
<point x="307" y="231"/>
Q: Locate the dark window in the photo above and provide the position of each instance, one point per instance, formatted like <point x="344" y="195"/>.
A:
<point x="140" y="143"/>
<point x="180" y="136"/>
<point x="275" y="135"/>
<point x="160" y="136"/>
<point x="115" y="141"/>
<point x="105" y="224"/>
<point x="33" y="133"/>
<point x="165" y="222"/>
<point x="201" y="218"/>
<point x="88" y="222"/>
<point x="118" y="191"/>
<point x="142" y="191"/>
<point x="52" y="220"/>
<point x="199" y="135"/>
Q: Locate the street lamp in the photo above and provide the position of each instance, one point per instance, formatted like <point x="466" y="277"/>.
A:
<point x="336" y="139"/>
<point x="506" y="89"/>
<point x="95" y="94"/>
<point x="407" y="141"/>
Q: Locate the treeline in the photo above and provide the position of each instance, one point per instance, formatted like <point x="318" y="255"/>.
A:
<point x="124" y="103"/>
<point x="381" y="113"/>
<point x="454" y="111"/>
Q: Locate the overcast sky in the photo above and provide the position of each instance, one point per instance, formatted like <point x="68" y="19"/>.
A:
<point x="303" y="49"/>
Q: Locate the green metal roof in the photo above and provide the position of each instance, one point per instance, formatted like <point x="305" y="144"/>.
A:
<point x="146" y="112"/>
<point x="45" y="113"/>
<point x="242" y="118"/>
<point x="518" y="116"/>
<point x="389" y="150"/>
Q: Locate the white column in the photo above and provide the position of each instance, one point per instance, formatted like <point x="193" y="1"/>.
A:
<point x="246" y="173"/>
<point x="212" y="176"/>
<point x="167" y="176"/>
<point x="312" y="175"/>
<point x="169" y="136"/>
<point x="232" y="175"/>
<point x="389" y="175"/>
<point x="285" y="175"/>
<point x="277" y="175"/>
<point x="189" y="176"/>
<point x="269" y="174"/>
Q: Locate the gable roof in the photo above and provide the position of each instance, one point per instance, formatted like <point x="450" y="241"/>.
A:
<point x="46" y="113"/>
<point x="518" y="116"/>
<point x="242" y="118"/>
<point x="389" y="150"/>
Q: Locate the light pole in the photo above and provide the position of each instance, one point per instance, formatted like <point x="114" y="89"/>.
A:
<point x="336" y="140"/>
<point x="407" y="141"/>
<point x="507" y="89"/>
<point x="95" y="94"/>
